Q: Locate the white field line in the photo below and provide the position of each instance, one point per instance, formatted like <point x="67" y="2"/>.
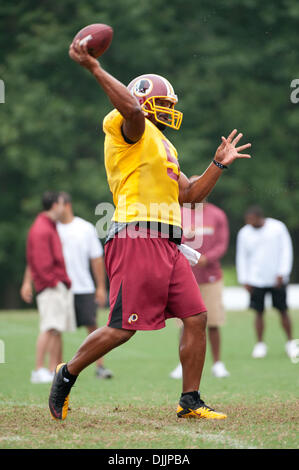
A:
<point x="220" y="438"/>
<point x="12" y="438"/>
<point x="24" y="403"/>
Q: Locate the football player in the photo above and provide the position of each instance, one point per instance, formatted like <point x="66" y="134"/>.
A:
<point x="150" y="279"/>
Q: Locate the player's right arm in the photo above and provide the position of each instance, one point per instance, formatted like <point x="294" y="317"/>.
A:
<point x="134" y="120"/>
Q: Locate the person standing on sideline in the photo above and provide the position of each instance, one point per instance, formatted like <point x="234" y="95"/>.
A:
<point x="83" y="254"/>
<point x="264" y="258"/>
<point x="54" y="298"/>
<point x="209" y="233"/>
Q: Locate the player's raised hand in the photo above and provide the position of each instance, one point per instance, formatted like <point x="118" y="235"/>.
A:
<point x="227" y="151"/>
<point x="79" y="53"/>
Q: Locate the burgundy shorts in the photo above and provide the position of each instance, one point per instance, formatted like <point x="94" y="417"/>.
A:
<point x="150" y="281"/>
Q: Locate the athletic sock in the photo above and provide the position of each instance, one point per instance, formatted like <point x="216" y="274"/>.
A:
<point x="66" y="374"/>
<point x="194" y="395"/>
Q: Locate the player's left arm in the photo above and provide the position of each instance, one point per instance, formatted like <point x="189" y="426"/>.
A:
<point x="195" y="190"/>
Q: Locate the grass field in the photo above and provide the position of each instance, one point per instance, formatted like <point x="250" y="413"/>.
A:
<point x="136" y="409"/>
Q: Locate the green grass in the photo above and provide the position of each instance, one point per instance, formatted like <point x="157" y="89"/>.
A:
<point x="136" y="409"/>
<point x="230" y="276"/>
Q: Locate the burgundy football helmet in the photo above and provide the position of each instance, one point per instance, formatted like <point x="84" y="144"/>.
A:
<point x="149" y="88"/>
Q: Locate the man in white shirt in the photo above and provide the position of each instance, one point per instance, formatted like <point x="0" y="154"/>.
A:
<point x="264" y="261"/>
<point x="83" y="255"/>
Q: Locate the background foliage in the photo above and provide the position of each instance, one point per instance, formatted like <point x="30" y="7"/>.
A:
<point x="231" y="64"/>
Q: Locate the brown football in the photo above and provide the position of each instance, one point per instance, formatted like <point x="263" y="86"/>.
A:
<point x="97" y="36"/>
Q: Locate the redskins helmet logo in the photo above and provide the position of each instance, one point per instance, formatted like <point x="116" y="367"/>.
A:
<point x="143" y="87"/>
<point x="133" y="318"/>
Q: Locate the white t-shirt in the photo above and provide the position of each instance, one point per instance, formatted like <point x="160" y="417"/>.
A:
<point x="80" y="244"/>
<point x="264" y="253"/>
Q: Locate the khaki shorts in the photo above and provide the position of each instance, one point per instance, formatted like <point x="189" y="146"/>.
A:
<point x="56" y="309"/>
<point x="212" y="297"/>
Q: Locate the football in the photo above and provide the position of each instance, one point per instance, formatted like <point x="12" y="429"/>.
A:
<point x="97" y="36"/>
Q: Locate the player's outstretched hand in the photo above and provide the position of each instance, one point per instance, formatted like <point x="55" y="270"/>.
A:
<point x="79" y="53"/>
<point x="227" y="151"/>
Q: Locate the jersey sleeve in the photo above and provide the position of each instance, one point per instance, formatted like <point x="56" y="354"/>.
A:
<point x="112" y="126"/>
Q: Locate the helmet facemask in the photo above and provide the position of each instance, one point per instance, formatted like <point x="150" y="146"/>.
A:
<point x="171" y="117"/>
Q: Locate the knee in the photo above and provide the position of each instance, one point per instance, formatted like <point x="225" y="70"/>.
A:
<point x="203" y="318"/>
<point x="197" y="322"/>
<point x="121" y="336"/>
<point x="213" y="329"/>
<point x="54" y="332"/>
<point x="259" y="313"/>
<point x="283" y="313"/>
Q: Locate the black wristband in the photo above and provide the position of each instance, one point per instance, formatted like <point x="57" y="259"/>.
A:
<point x="220" y="165"/>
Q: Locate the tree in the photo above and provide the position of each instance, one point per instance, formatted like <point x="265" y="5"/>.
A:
<point x="231" y="64"/>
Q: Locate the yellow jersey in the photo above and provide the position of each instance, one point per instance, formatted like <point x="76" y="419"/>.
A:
<point x="143" y="176"/>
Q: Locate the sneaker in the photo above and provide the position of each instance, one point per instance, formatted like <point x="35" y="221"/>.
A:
<point x="59" y="394"/>
<point x="177" y="373"/>
<point x="103" y="373"/>
<point x="259" y="350"/>
<point x="219" y="370"/>
<point x="41" y="376"/>
<point x="292" y="349"/>
<point x="191" y="407"/>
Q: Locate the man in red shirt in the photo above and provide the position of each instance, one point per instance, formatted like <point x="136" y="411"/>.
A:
<point x="206" y="230"/>
<point x="46" y="267"/>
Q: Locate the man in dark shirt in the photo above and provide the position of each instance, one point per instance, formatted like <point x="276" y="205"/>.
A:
<point x="46" y="267"/>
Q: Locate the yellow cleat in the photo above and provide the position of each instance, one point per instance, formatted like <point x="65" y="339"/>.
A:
<point x="203" y="412"/>
<point x="191" y="406"/>
<point x="59" y="394"/>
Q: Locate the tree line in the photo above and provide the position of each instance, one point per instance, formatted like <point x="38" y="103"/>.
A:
<point x="231" y="64"/>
